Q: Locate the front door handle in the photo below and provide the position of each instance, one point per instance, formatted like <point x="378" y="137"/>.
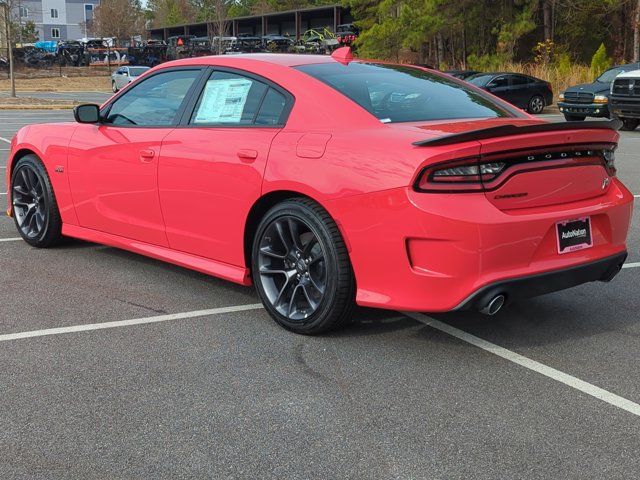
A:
<point x="147" y="155"/>
<point x="247" y="154"/>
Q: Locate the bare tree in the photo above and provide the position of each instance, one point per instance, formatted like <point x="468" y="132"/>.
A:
<point x="7" y="7"/>
<point x="121" y="19"/>
<point x="636" y="33"/>
<point x="215" y="13"/>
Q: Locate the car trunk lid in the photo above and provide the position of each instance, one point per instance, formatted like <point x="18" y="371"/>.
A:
<point x="548" y="168"/>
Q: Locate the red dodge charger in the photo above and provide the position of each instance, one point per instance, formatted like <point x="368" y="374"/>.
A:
<point x="329" y="182"/>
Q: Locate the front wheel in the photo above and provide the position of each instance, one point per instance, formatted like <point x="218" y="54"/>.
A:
<point x="536" y="104"/>
<point x="35" y="211"/>
<point x="301" y="268"/>
<point x="629" y="124"/>
<point x="114" y="87"/>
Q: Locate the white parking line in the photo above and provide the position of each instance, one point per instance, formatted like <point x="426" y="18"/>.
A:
<point x="5" y="140"/>
<point x="631" y="265"/>
<point x="569" y="380"/>
<point x="12" y="239"/>
<point x="127" y="323"/>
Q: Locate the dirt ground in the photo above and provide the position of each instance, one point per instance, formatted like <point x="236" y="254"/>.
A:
<point x="59" y="84"/>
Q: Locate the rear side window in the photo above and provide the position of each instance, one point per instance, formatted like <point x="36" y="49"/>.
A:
<point x="519" y="80"/>
<point x="272" y="108"/>
<point x="395" y="93"/>
<point x="229" y="99"/>
<point x="153" y="102"/>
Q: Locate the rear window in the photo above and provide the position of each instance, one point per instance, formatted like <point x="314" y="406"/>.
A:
<point x="395" y="93"/>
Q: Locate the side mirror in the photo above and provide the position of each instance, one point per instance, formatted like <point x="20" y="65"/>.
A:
<point x="87" y="113"/>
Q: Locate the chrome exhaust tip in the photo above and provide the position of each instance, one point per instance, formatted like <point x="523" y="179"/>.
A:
<point x="494" y="305"/>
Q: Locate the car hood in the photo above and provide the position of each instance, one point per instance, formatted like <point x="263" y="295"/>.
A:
<point x="595" y="87"/>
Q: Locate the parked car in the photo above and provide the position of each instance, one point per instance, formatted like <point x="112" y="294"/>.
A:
<point x="624" y="99"/>
<point x="529" y="93"/>
<point x="360" y="182"/>
<point x="591" y="99"/>
<point x="125" y="75"/>
<point x="462" y="74"/>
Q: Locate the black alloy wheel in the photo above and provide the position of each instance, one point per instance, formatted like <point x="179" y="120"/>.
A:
<point x="301" y="268"/>
<point x="536" y="104"/>
<point x="292" y="266"/>
<point x="35" y="211"/>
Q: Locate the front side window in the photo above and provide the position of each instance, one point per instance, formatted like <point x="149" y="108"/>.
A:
<point x="154" y="102"/>
<point x="397" y="93"/>
<point x="232" y="99"/>
<point x="499" y="82"/>
<point x="55" y="33"/>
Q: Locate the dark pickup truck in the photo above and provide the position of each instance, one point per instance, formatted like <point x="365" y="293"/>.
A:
<point x="591" y="99"/>
<point x="624" y="100"/>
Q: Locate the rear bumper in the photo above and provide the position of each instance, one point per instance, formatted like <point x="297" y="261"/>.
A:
<point x="542" y="283"/>
<point x="586" y="109"/>
<point x="436" y="252"/>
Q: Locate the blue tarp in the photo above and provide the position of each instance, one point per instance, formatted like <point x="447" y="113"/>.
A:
<point x="47" y="46"/>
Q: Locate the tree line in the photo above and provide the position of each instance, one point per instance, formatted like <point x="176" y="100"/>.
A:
<point x="443" y="33"/>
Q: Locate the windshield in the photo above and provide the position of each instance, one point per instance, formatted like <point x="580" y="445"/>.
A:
<point x="137" y="71"/>
<point x="610" y="75"/>
<point x="395" y="93"/>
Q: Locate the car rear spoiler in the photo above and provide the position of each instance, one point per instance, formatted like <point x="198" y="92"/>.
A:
<point x="510" y="130"/>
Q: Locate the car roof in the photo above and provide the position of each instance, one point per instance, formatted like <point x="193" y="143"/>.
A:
<point x="284" y="59"/>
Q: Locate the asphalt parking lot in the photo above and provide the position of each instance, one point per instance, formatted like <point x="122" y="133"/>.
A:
<point x="154" y="371"/>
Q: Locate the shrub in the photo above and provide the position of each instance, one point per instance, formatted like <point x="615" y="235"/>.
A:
<point x="486" y="63"/>
<point x="600" y="62"/>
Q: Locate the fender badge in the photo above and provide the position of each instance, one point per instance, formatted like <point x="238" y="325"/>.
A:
<point x="606" y="182"/>
<point x="59" y="169"/>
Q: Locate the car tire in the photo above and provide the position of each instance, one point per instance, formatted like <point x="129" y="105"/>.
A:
<point x="301" y="268"/>
<point x="536" y="105"/>
<point x="574" y="118"/>
<point x="35" y="210"/>
<point x="114" y="87"/>
<point x="629" y="124"/>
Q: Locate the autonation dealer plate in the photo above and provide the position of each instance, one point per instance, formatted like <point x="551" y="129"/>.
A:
<point x="574" y="235"/>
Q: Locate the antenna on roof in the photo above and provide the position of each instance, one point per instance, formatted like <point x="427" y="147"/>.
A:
<point x="342" y="55"/>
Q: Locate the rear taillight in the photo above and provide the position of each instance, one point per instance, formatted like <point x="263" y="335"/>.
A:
<point x="462" y="175"/>
<point x="484" y="173"/>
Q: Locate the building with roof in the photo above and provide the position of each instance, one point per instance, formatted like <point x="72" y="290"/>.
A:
<point x="57" y="19"/>
<point x="292" y="23"/>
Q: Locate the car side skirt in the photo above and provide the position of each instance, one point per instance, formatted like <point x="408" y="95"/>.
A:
<point x="207" y="266"/>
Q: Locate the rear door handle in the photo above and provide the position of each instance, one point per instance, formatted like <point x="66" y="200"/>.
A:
<point x="247" y="154"/>
<point x="147" y="155"/>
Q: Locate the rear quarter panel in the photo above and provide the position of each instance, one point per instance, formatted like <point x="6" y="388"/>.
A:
<point x="50" y="143"/>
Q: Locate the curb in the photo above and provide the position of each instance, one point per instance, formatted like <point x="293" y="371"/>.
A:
<point x="37" y="107"/>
